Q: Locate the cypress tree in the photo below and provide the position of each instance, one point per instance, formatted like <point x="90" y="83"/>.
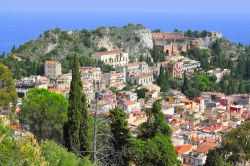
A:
<point x="161" y="76"/>
<point x="78" y="117"/>
<point x="185" y="85"/>
<point x="241" y="88"/>
<point x="164" y="84"/>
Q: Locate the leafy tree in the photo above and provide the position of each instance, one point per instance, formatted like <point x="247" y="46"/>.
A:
<point x="7" y="88"/>
<point x="56" y="155"/>
<point x="102" y="49"/>
<point x="235" y="145"/>
<point x="44" y="113"/>
<point x="153" y="145"/>
<point x="77" y="134"/>
<point x="214" y="158"/>
<point x="200" y="55"/>
<point x="156" y="30"/>
<point x="241" y="88"/>
<point x="16" y="150"/>
<point x="162" y="80"/>
<point x="141" y="92"/>
<point x="121" y="133"/>
<point x="156" y="151"/>
<point x="155" y="123"/>
<point x="248" y="88"/>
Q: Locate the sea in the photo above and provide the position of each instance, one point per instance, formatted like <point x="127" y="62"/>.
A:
<point x="18" y="28"/>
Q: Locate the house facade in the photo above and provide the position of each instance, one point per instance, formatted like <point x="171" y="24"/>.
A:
<point x="52" y="69"/>
<point x="114" y="58"/>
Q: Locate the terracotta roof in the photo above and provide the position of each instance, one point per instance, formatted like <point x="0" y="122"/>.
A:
<point x="197" y="139"/>
<point x="198" y="99"/>
<point x="184" y="148"/>
<point x="110" y="52"/>
<point x="129" y="103"/>
<point x="56" y="90"/>
<point x="186" y="101"/>
<point x="16" y="127"/>
<point x="185" y="123"/>
<point x="52" y="62"/>
<point x="205" y="147"/>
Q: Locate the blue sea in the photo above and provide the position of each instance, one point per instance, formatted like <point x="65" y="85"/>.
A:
<point x="18" y="28"/>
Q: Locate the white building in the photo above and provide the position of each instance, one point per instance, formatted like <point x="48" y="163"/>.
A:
<point x="114" y="58"/>
<point x="113" y="78"/>
<point x="129" y="106"/>
<point x="142" y="79"/>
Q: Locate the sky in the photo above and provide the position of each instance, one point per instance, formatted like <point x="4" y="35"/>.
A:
<point x="126" y="6"/>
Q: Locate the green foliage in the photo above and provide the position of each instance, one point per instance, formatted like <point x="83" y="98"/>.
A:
<point x="56" y="155"/>
<point x="175" y="83"/>
<point x="120" y="133"/>
<point x="141" y="92"/>
<point x="214" y="158"/>
<point x="199" y="82"/>
<point x="156" y="151"/>
<point x="197" y="34"/>
<point x="22" y="68"/>
<point x="155" y="123"/>
<point x="154" y="53"/>
<point x="7" y="88"/>
<point x="220" y="57"/>
<point x="44" y="113"/>
<point x="162" y="80"/>
<point x="76" y="131"/>
<point x="242" y="68"/>
<point x="200" y="55"/>
<point x="105" y="67"/>
<point x="235" y="145"/>
<point x="102" y="49"/>
<point x="156" y="30"/>
<point x="153" y="146"/>
<point x="15" y="150"/>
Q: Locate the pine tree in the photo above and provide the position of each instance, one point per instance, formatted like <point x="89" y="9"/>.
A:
<point x="153" y="146"/>
<point x="78" y="117"/>
<point x="214" y="159"/>
<point x="120" y="133"/>
<point x="155" y="123"/>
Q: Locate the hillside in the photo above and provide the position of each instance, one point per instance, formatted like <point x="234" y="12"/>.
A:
<point x="58" y="44"/>
<point x="28" y="59"/>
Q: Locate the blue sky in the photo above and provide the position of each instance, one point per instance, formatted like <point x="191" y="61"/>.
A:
<point x="117" y="6"/>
